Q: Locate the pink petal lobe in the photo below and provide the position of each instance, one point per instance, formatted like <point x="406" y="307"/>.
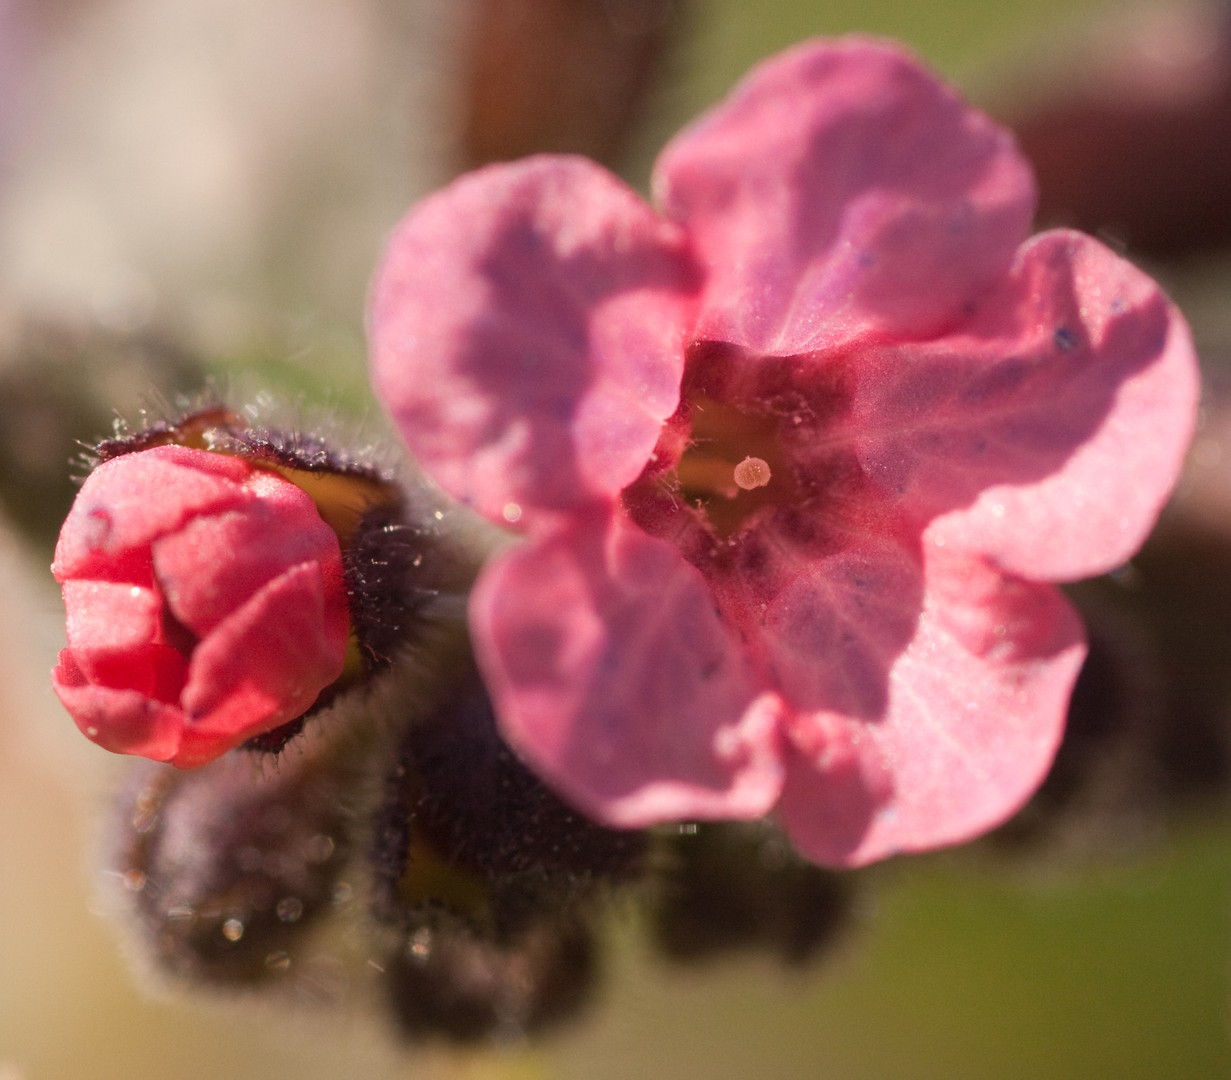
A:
<point x="1050" y="430"/>
<point x="975" y="709"/>
<point x="124" y="504"/>
<point x="214" y="564"/>
<point x="527" y="330"/>
<point x="154" y="669"/>
<point x="841" y="191"/>
<point x="111" y="615"/>
<point x="834" y="632"/>
<point x="263" y="665"/>
<point x="615" y="677"/>
<point x="124" y="721"/>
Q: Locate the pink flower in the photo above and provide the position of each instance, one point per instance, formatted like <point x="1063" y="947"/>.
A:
<point x="795" y="459"/>
<point x="206" y="604"/>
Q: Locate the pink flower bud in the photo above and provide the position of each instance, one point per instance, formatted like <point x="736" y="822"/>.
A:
<point x="206" y="604"/>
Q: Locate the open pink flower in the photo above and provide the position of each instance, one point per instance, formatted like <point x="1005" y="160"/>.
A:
<point x="794" y="459"/>
<point x="206" y="604"/>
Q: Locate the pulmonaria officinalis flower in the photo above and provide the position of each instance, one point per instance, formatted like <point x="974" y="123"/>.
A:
<point x="206" y="600"/>
<point x="797" y="458"/>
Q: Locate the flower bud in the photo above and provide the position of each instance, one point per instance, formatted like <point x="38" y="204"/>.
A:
<point x="226" y="870"/>
<point x="225" y="580"/>
<point x="737" y="886"/>
<point x="206" y="604"/>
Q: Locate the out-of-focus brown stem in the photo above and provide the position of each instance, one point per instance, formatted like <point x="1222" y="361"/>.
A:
<point x="1137" y="146"/>
<point x="561" y="75"/>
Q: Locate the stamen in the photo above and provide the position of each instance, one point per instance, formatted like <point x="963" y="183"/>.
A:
<point x="752" y="472"/>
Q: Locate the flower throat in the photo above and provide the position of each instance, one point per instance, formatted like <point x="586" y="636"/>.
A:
<point x="716" y="456"/>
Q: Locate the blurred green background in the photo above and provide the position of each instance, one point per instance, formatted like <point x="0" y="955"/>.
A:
<point x="956" y="966"/>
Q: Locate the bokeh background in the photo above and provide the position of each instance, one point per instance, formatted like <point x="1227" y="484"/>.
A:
<point x="193" y="186"/>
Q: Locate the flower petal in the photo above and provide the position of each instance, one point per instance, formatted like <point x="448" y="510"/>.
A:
<point x="215" y="563"/>
<point x="842" y="191"/>
<point x="527" y="331"/>
<point x="833" y="634"/>
<point x="124" y="505"/>
<point x="153" y="669"/>
<point x="975" y="710"/>
<point x="111" y="615"/>
<point x="119" y="719"/>
<point x="1050" y="431"/>
<point x="263" y="665"/>
<point x="613" y="674"/>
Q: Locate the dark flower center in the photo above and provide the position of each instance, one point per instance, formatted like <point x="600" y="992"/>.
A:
<point x="723" y="462"/>
<point x="733" y="465"/>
